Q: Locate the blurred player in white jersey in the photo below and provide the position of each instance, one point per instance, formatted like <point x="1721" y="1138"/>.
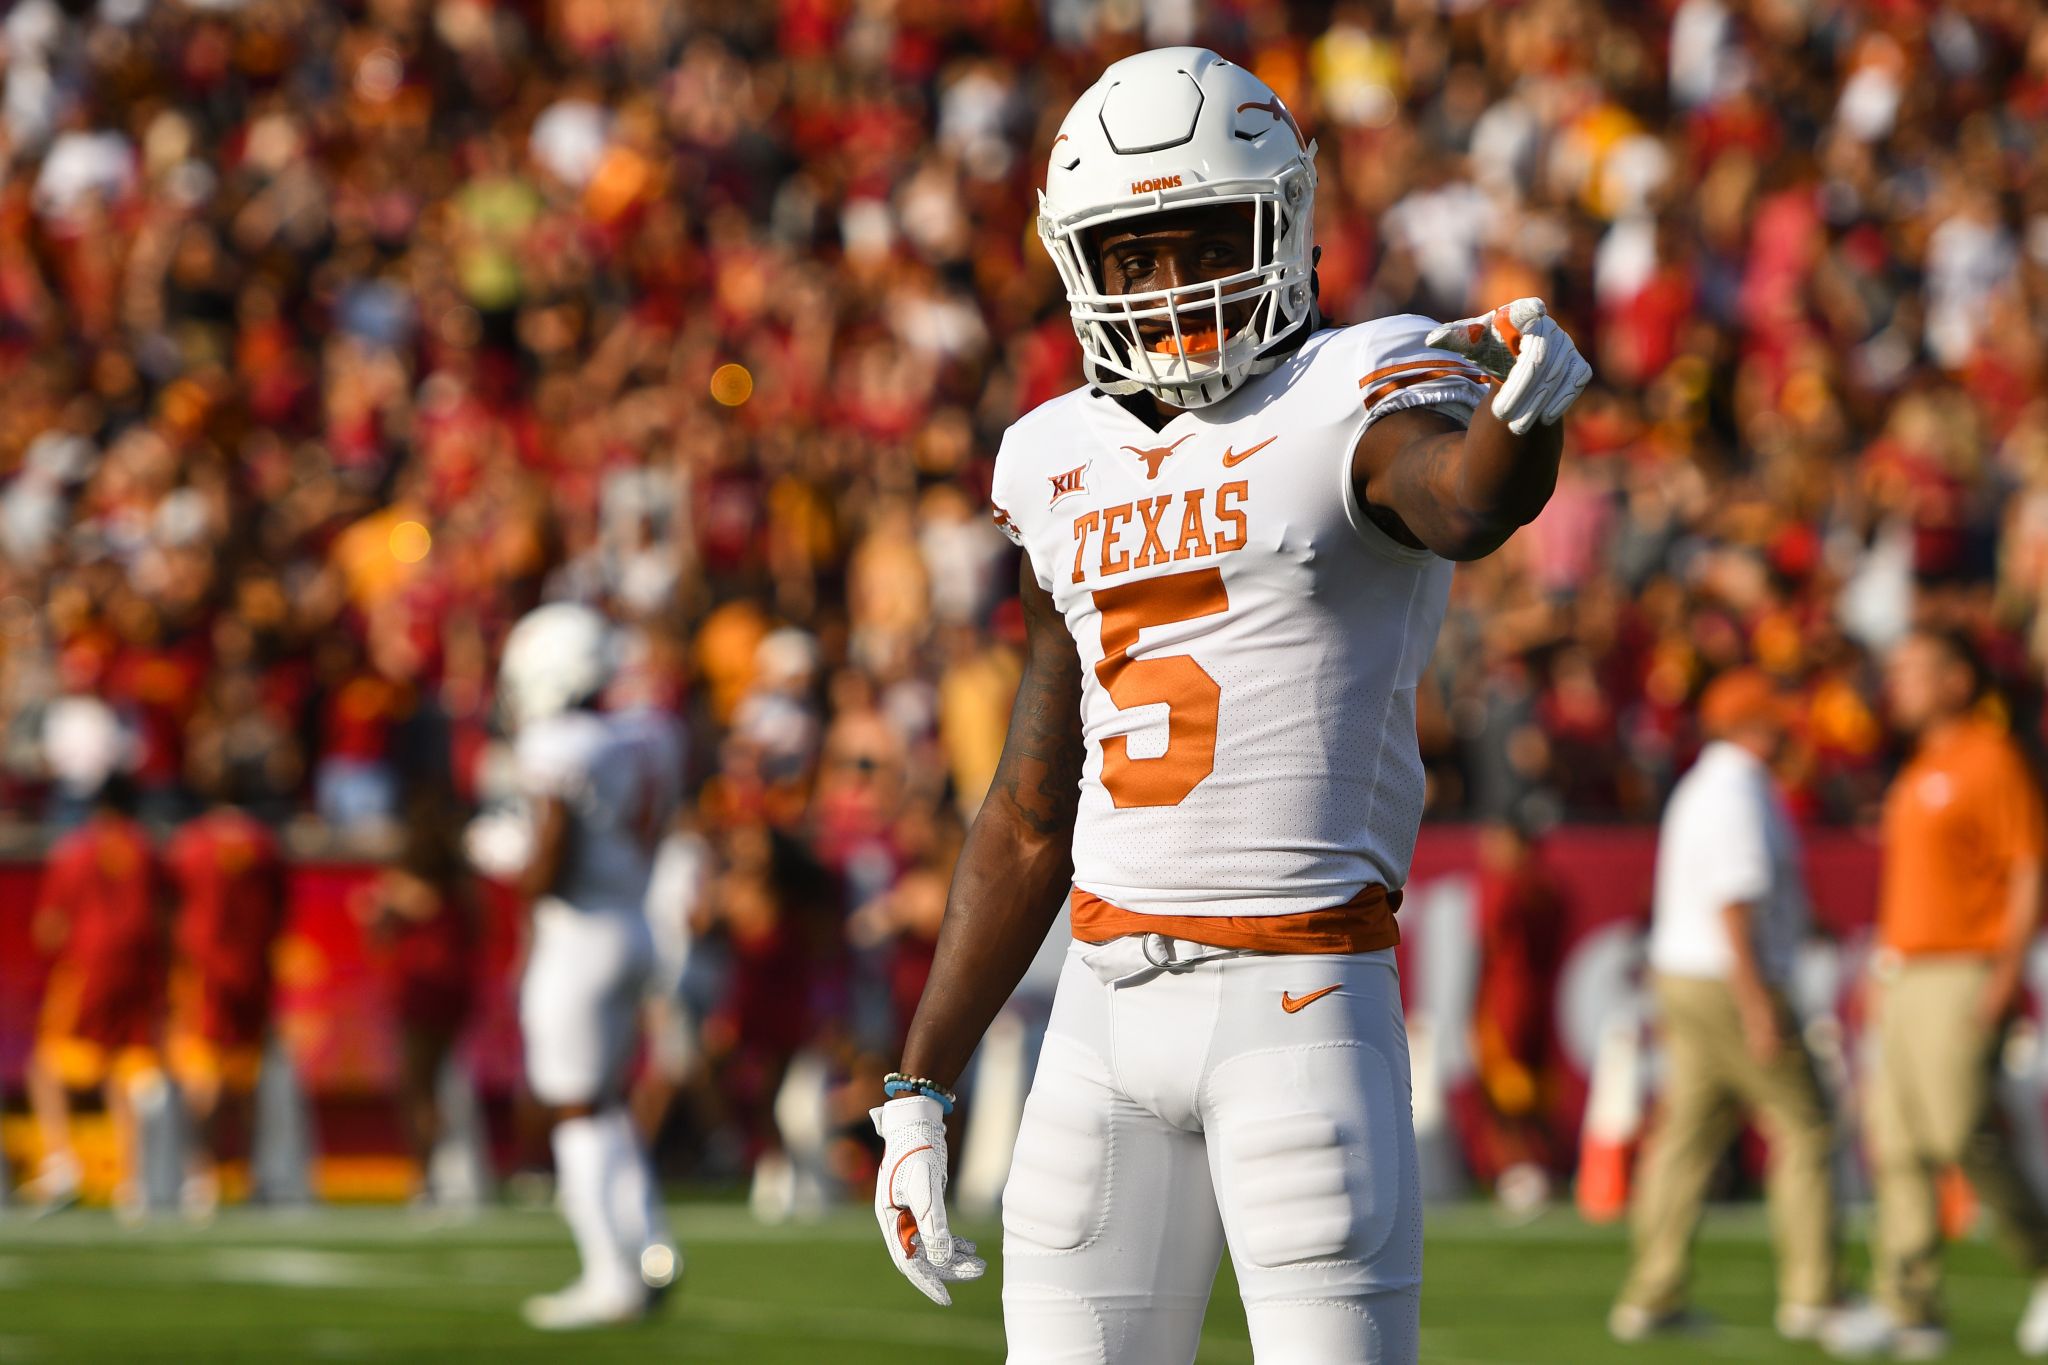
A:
<point x="1237" y="545"/>
<point x="602" y="789"/>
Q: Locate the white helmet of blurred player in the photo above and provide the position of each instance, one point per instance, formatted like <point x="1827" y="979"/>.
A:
<point x="556" y="657"/>
<point x="1173" y="129"/>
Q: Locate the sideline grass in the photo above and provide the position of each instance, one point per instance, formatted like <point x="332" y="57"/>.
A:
<point x="382" y="1284"/>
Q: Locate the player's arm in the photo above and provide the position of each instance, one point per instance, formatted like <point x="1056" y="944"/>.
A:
<point x="50" y="928"/>
<point x="406" y="898"/>
<point x="550" y="848"/>
<point x="1462" y="491"/>
<point x="1014" y="870"/>
<point x="1007" y="887"/>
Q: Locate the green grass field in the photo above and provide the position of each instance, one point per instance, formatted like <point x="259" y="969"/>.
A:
<point x="380" y="1284"/>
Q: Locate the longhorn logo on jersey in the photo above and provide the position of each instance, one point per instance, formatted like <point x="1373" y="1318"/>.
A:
<point x="1155" y="456"/>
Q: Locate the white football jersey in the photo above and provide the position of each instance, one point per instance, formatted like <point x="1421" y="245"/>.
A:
<point x="1250" y="643"/>
<point x="620" y="776"/>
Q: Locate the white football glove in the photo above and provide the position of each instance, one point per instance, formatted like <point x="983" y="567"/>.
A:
<point x="1540" y="370"/>
<point x="910" y="1198"/>
<point x="499" y="844"/>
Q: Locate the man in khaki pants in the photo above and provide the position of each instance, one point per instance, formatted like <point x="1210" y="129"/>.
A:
<point x="1730" y="911"/>
<point x="1964" y="833"/>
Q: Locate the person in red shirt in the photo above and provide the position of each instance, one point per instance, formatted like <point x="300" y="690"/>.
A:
<point x="100" y="916"/>
<point x="229" y="878"/>
<point x="777" y="909"/>
<point x="1521" y="936"/>
<point x="422" y="910"/>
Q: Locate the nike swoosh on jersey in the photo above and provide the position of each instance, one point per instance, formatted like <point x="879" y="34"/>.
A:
<point x="1233" y="459"/>
<point x="1295" y="1004"/>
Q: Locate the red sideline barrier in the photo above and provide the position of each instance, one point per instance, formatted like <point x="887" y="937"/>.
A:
<point x="334" y="1006"/>
<point x="1605" y="873"/>
<point x="334" y="990"/>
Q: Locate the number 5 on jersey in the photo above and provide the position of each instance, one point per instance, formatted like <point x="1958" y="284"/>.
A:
<point x="1190" y="694"/>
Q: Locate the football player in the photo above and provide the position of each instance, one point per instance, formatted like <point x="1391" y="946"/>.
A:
<point x="101" y="916"/>
<point x="421" y="911"/>
<point x="229" y="875"/>
<point x="1237" y="540"/>
<point x="602" y="791"/>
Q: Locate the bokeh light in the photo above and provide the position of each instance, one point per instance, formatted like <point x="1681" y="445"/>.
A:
<point x="410" y="542"/>
<point x="731" y="384"/>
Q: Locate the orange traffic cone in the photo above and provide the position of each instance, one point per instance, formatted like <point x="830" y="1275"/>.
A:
<point x="1958" y="1203"/>
<point x="1614" y="1124"/>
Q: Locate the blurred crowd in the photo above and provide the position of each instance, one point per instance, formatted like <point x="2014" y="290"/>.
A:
<point x="333" y="337"/>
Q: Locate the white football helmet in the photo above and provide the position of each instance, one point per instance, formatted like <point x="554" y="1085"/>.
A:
<point x="555" y="657"/>
<point x="1166" y="130"/>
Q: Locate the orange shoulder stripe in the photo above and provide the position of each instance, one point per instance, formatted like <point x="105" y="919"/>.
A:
<point x="1426" y="363"/>
<point x="1408" y="381"/>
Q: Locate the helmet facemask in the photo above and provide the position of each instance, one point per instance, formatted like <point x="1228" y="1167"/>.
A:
<point x="1217" y="333"/>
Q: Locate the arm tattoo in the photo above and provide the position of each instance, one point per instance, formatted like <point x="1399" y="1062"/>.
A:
<point x="1461" y="492"/>
<point x="1426" y="477"/>
<point x="1040" y="771"/>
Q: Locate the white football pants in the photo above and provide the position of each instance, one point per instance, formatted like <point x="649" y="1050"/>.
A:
<point x="579" y="1001"/>
<point x="1175" y="1110"/>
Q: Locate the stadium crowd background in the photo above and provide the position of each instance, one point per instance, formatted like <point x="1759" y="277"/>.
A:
<point x="334" y="337"/>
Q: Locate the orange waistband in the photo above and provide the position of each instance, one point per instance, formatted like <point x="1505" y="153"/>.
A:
<point x="1363" y="924"/>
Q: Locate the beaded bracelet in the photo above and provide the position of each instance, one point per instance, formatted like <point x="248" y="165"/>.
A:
<point x="896" y="1085"/>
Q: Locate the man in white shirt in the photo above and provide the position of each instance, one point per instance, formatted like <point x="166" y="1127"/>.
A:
<point x="1730" y="911"/>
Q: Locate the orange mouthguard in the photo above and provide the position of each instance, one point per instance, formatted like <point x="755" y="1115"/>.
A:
<point x="1190" y="343"/>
